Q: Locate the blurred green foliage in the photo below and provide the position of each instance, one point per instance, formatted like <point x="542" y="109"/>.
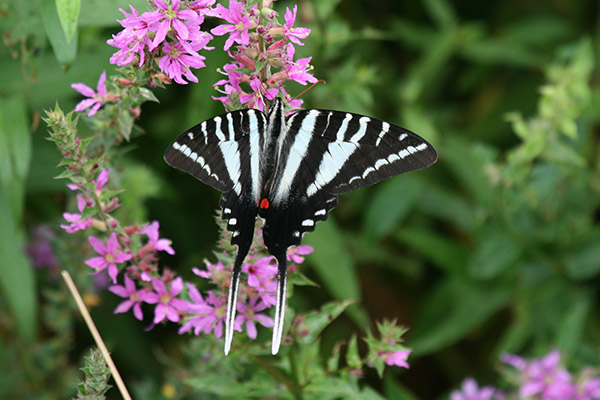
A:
<point x="495" y="248"/>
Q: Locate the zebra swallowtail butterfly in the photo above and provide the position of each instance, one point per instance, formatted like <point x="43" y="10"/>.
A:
<point x="289" y="171"/>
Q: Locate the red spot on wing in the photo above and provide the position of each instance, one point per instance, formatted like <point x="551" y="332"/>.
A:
<point x="264" y="203"/>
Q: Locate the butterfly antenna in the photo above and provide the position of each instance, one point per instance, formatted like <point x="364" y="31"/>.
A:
<point x="307" y="89"/>
<point x="280" y="305"/>
<point x="232" y="300"/>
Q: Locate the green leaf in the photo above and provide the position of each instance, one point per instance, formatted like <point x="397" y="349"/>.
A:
<point x="496" y="251"/>
<point x="316" y="321"/>
<point x="441" y="11"/>
<point x="392" y="202"/>
<point x="332" y="262"/>
<point x="148" y="95"/>
<point x="352" y="356"/>
<point x="570" y="330"/>
<point x="446" y="254"/>
<point x="583" y="262"/>
<point x="68" y="13"/>
<point x="17" y="279"/>
<point x="15" y="151"/>
<point x="452" y="311"/>
<point x="324" y="9"/>
<point x="64" y="50"/>
<point x="102" y="13"/>
<point x="468" y="162"/>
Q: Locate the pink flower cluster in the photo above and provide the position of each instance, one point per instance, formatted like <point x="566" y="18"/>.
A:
<point x="198" y="313"/>
<point x="263" y="45"/>
<point x="170" y="34"/>
<point x="547" y="379"/>
<point x="544" y="379"/>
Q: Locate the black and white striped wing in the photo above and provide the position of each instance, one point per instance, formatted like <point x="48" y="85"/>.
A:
<point x="326" y="153"/>
<point x="224" y="152"/>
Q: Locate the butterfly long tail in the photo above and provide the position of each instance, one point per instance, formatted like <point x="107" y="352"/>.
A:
<point x="280" y="305"/>
<point x="232" y="299"/>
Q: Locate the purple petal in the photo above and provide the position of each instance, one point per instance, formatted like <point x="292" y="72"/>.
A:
<point x="160" y="313"/>
<point x="83" y="104"/>
<point x="122" y="257"/>
<point x="159" y="286"/>
<point x="119" y="290"/>
<point x="113" y="271"/>
<point x="83" y="89"/>
<point x="181" y="29"/>
<point x="172" y="314"/>
<point x="251" y="329"/>
<point x="123" y="307"/>
<point x="161" y="34"/>
<point x="97" y="262"/>
<point x="176" y="286"/>
<point x="137" y="311"/>
<point x="161" y="5"/>
<point x="96" y="243"/>
<point x="264" y="320"/>
<point x="111" y="244"/>
<point x="101" y="87"/>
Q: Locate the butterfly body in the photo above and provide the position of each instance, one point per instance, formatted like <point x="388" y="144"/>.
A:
<point x="289" y="171"/>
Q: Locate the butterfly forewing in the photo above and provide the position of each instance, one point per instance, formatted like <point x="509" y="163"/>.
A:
<point x="224" y="152"/>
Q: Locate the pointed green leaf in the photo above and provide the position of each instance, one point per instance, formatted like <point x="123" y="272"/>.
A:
<point x="332" y="262"/>
<point x="64" y="50"/>
<point x="392" y="202"/>
<point x="316" y="321"/>
<point x="352" y="356"/>
<point x="68" y="13"/>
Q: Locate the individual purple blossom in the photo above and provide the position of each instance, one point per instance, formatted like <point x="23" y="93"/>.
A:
<point x="200" y="309"/>
<point x="266" y="289"/>
<point x="238" y="27"/>
<point x="295" y="253"/>
<point x="133" y="296"/>
<point x="133" y="39"/>
<point x="397" y="358"/>
<point x="110" y="256"/>
<point x="248" y="314"/>
<point x="167" y="305"/>
<point x="76" y="223"/>
<point x="151" y="230"/>
<point x="471" y="391"/>
<point x="210" y="314"/>
<point x="294" y="34"/>
<point x="176" y="63"/>
<point x="261" y="268"/>
<point x="102" y="179"/>
<point x="260" y="92"/>
<point x="213" y="271"/>
<point x="171" y="16"/>
<point x="96" y="98"/>
<point x="298" y="70"/>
